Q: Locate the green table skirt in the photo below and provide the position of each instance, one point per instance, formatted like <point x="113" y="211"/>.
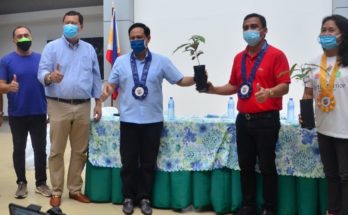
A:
<point x="218" y="189"/>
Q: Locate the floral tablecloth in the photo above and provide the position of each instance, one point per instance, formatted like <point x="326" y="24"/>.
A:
<point x="199" y="144"/>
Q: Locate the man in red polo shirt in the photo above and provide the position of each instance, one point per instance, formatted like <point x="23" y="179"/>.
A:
<point x="260" y="76"/>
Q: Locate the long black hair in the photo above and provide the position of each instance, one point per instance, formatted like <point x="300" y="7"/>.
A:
<point x="342" y="24"/>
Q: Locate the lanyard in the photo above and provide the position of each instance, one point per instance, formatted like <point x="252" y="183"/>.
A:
<point x="324" y="86"/>
<point x="326" y="99"/>
<point x="145" y="72"/>
<point x="255" y="66"/>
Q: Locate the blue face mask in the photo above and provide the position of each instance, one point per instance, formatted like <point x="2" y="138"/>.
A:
<point x="328" y="41"/>
<point x="70" y="31"/>
<point x="252" y="37"/>
<point x="137" y="45"/>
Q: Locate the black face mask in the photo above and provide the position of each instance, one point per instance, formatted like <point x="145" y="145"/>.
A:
<point x="24" y="46"/>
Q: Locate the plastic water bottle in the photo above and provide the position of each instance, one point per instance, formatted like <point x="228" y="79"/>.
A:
<point x="291" y="111"/>
<point x="171" y="109"/>
<point x="230" y="108"/>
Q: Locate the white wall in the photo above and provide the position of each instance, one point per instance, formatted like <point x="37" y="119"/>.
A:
<point x="341" y="7"/>
<point x="46" y="25"/>
<point x="293" y="26"/>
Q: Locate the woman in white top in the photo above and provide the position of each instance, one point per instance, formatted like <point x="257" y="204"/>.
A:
<point x="327" y="84"/>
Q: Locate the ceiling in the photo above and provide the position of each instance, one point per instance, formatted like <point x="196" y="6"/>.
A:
<point x="20" y="6"/>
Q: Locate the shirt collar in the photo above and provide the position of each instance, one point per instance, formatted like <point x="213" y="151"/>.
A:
<point x="143" y="60"/>
<point x="70" y="45"/>
<point x="253" y="57"/>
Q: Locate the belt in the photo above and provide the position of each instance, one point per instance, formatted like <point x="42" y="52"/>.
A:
<point x="69" y="101"/>
<point x="260" y="115"/>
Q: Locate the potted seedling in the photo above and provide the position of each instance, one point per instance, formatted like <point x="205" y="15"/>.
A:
<point x="191" y="47"/>
<point x="306" y="104"/>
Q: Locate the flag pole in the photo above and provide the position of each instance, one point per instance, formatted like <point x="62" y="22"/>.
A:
<point x="113" y="49"/>
<point x="112" y="14"/>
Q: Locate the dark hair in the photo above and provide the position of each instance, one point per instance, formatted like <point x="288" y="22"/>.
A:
<point x="74" y="13"/>
<point x="139" y="25"/>
<point x="342" y="24"/>
<point x="261" y="18"/>
<point x="18" y="27"/>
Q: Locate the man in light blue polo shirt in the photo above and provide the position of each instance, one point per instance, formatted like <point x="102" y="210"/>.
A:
<point x="69" y="70"/>
<point x="139" y="76"/>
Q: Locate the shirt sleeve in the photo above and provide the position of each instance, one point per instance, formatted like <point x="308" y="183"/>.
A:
<point x="235" y="67"/>
<point x="46" y="63"/>
<point x="114" y="76"/>
<point x="308" y="79"/>
<point x="281" y="68"/>
<point x="170" y="72"/>
<point x="3" y="71"/>
<point x="97" y="83"/>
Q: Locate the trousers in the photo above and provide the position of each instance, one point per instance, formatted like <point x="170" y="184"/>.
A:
<point x="35" y="126"/>
<point x="334" y="155"/>
<point x="68" y="121"/>
<point x="139" y="146"/>
<point x="256" y="137"/>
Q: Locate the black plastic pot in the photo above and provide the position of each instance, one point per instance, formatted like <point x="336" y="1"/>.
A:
<point x="200" y="78"/>
<point x="307" y="113"/>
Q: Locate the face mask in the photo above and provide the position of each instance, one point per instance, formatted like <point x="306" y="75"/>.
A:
<point x="328" y="41"/>
<point x="24" y="44"/>
<point x="252" y="37"/>
<point x="70" y="31"/>
<point x="138" y="45"/>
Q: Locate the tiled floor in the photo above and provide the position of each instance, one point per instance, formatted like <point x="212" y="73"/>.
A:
<point x="8" y="187"/>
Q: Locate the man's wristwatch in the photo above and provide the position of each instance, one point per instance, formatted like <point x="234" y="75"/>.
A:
<point x="49" y="79"/>
<point x="271" y="93"/>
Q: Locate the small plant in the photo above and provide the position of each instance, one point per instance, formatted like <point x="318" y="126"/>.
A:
<point x="192" y="47"/>
<point x="300" y="72"/>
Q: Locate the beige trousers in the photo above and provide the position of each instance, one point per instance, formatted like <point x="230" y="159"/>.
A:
<point x="73" y="121"/>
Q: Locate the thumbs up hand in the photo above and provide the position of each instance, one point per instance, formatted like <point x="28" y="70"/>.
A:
<point x="56" y="75"/>
<point x="13" y="86"/>
<point x="261" y="94"/>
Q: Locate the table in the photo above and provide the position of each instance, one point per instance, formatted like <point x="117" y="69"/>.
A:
<point x="197" y="165"/>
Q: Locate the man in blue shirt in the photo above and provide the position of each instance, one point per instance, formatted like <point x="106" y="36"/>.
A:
<point x="27" y="109"/>
<point x="139" y="76"/>
<point x="69" y="70"/>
